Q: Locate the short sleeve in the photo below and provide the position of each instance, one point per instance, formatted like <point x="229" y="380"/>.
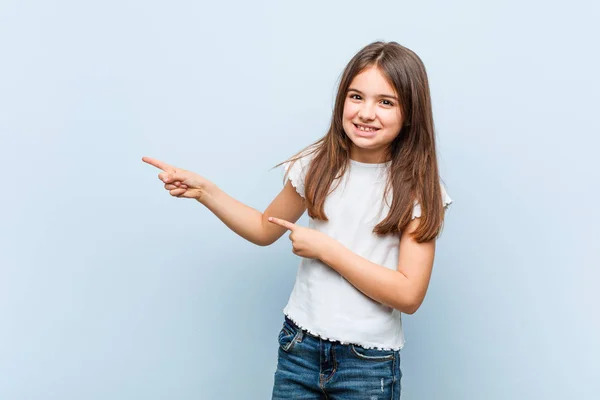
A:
<point x="446" y="198"/>
<point x="296" y="172"/>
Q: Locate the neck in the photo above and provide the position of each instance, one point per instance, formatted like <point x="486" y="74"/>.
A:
<point x="364" y="156"/>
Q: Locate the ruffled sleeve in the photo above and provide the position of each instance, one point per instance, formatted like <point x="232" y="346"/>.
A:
<point x="296" y="172"/>
<point x="445" y="196"/>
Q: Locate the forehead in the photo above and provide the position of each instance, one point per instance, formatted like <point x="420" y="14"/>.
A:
<point x="372" y="80"/>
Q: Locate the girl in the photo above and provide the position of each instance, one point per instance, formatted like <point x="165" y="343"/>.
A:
<point x="376" y="207"/>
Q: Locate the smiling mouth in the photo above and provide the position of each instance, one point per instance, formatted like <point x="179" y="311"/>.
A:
<point x="366" y="128"/>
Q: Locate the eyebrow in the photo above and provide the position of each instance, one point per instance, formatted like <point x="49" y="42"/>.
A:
<point x="379" y="95"/>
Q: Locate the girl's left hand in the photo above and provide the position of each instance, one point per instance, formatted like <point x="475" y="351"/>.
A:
<point x="306" y="242"/>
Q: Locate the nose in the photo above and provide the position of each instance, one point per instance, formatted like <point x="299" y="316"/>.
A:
<point x="367" y="111"/>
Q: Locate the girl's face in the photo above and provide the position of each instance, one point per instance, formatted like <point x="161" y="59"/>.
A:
<point x="372" y="117"/>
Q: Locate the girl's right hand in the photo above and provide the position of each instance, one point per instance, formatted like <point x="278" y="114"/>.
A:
<point x="179" y="182"/>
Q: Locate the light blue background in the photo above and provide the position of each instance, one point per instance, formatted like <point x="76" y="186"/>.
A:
<point x="111" y="289"/>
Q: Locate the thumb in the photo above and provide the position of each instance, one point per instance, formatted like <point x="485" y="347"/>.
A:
<point x="169" y="177"/>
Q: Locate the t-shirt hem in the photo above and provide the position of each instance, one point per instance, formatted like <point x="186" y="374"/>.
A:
<point x="335" y="339"/>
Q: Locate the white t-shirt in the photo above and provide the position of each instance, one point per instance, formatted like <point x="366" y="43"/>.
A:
<point x="322" y="301"/>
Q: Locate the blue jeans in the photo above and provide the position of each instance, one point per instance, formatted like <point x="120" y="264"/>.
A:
<point x="309" y="367"/>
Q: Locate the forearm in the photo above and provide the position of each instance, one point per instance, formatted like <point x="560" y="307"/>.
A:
<point x="384" y="285"/>
<point x="244" y="220"/>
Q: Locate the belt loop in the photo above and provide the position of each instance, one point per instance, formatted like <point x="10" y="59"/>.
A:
<point x="300" y="335"/>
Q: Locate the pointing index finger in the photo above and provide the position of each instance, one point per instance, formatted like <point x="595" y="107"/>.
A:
<point x="158" y="164"/>
<point x="284" y="223"/>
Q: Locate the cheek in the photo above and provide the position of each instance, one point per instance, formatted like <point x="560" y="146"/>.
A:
<point x="391" y="119"/>
<point x="350" y="110"/>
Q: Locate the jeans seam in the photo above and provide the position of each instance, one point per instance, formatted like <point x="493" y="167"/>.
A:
<point x="334" y="368"/>
<point x="393" y="375"/>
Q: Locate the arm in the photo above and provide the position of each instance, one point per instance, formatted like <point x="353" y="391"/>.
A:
<point x="246" y="221"/>
<point x="403" y="289"/>
<point x="250" y="223"/>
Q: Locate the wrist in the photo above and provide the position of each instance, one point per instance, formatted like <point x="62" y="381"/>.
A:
<point x="327" y="247"/>
<point x="206" y="193"/>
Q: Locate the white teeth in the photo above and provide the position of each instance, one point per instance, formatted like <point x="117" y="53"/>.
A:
<point x="365" y="129"/>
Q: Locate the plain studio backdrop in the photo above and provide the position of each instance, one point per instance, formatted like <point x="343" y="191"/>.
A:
<point x="111" y="289"/>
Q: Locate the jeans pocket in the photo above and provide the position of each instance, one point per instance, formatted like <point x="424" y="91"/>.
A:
<point x="288" y="336"/>
<point x="371" y="354"/>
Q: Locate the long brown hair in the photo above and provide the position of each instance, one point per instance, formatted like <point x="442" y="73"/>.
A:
<point x="413" y="171"/>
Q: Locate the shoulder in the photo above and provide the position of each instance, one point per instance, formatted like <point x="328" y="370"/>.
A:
<point x="297" y="167"/>
<point x="446" y="200"/>
<point x="301" y="160"/>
